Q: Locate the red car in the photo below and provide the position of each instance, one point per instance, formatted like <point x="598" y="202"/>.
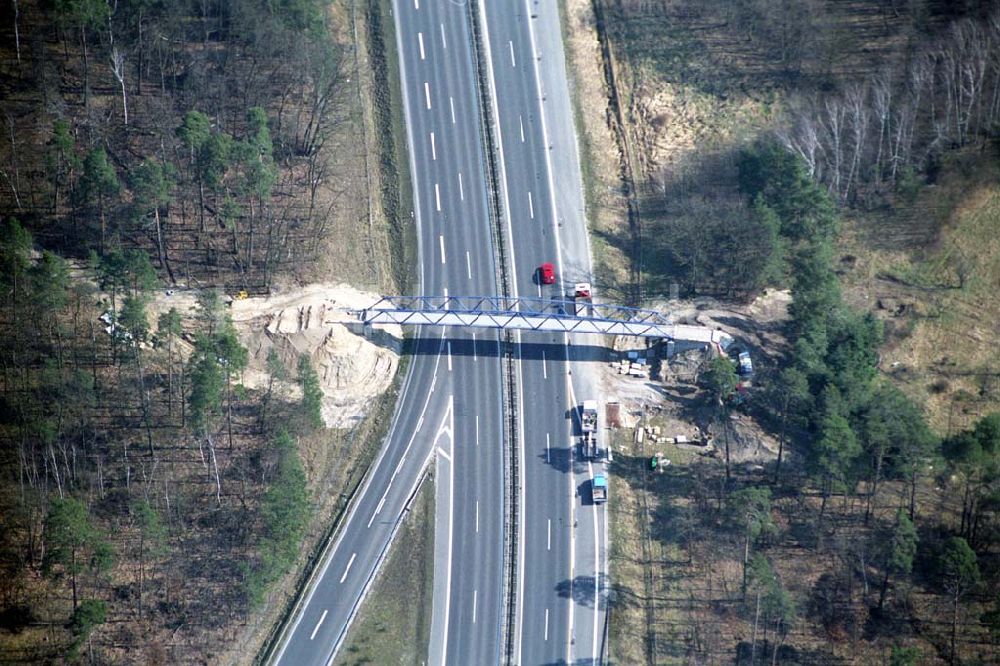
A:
<point x="547" y="274"/>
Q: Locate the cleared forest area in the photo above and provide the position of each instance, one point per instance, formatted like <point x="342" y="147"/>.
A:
<point x="846" y="151"/>
<point x="159" y="162"/>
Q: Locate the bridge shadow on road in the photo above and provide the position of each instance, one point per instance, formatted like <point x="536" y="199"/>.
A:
<point x="489" y="346"/>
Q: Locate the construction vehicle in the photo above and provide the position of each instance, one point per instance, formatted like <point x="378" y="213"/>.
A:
<point x="582" y="300"/>
<point x="599" y="489"/>
<point x="588" y="429"/>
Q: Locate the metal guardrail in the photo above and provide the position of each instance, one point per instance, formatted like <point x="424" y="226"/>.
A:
<point x="511" y="471"/>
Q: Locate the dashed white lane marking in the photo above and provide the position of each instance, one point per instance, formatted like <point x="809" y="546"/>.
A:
<point x="475" y="599"/>
<point x="446" y="298"/>
<point x="349" y="563"/>
<point x="546" y="624"/>
<point x="550" y="535"/>
<point x="449" y="357"/>
<point x="477" y="429"/>
<point x="416" y="4"/>
<point x="461" y="189"/>
<point x="437" y="197"/>
<point x="513" y="63"/>
<point x="444" y="40"/>
<point x="434" y="152"/>
<point x="520" y="121"/>
<point x="451" y="101"/>
<point x="545" y="371"/>
<point x="377" y="510"/>
<point x="427" y="93"/>
<point x="420" y="39"/>
<point x="316" y="628"/>
<point x="441" y="243"/>
<point x="477" y="516"/>
<point x="475" y="359"/>
<point x="444" y="454"/>
<point x="468" y="264"/>
<point x="548" y="454"/>
<point x="531" y="206"/>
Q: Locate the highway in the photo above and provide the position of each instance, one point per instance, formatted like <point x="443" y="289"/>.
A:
<point x="559" y="617"/>
<point x="450" y="402"/>
<point x="450" y="406"/>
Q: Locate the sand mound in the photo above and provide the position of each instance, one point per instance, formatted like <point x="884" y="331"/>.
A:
<point x="312" y="320"/>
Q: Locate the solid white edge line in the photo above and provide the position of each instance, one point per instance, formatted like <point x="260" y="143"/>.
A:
<point x="316" y="628"/>
<point x="350" y="562"/>
<point x="450" y="415"/>
<point x="597" y="574"/>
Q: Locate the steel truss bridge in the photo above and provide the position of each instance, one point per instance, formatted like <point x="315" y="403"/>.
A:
<point x="534" y="314"/>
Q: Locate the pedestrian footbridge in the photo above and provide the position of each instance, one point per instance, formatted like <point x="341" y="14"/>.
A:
<point x="535" y="314"/>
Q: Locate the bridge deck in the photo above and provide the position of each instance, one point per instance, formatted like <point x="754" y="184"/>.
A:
<point x="535" y="315"/>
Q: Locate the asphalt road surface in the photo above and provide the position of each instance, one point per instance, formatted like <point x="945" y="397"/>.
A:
<point x="561" y="599"/>
<point x="450" y="404"/>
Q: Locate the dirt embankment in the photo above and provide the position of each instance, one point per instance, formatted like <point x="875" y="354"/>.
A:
<point x="313" y="320"/>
